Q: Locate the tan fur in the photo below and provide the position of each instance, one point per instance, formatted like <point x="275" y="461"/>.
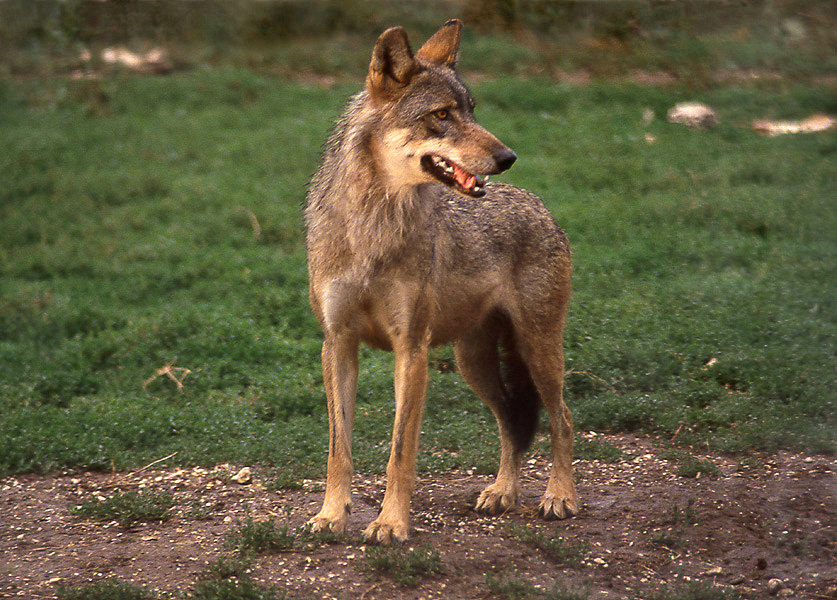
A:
<point x="400" y="261"/>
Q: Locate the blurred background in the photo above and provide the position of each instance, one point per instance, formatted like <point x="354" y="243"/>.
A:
<point x="697" y="42"/>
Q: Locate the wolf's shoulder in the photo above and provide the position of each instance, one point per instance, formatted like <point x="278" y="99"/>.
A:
<point x="501" y="202"/>
<point x="505" y="216"/>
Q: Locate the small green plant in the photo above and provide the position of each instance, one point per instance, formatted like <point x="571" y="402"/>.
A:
<point x="513" y="587"/>
<point x="258" y="537"/>
<point x="510" y="587"/>
<point x="225" y="567"/>
<point x="228" y="578"/>
<point x="235" y="588"/>
<point x="677" y="518"/>
<point x="691" y="590"/>
<point x="198" y="511"/>
<point x="407" y="567"/>
<point x="684" y="516"/>
<point x="556" y="548"/>
<point x="671" y="539"/>
<point x="128" y="508"/>
<point x="324" y="537"/>
<point x="690" y="466"/>
<point x="107" y="589"/>
<point x="561" y="592"/>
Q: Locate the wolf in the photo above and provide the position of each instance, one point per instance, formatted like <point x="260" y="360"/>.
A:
<point x="410" y="246"/>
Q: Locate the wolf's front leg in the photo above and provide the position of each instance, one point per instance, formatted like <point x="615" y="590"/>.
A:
<point x="340" y="371"/>
<point x="410" y="387"/>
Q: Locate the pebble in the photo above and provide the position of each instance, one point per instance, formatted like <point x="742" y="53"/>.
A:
<point x="243" y="477"/>
<point x="774" y="585"/>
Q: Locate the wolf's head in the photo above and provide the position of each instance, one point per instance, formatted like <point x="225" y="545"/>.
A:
<point x="427" y="131"/>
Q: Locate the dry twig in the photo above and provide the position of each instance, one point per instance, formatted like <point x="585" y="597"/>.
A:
<point x="168" y="371"/>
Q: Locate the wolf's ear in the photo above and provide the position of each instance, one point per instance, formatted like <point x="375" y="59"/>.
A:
<point x="443" y="47"/>
<point x="392" y="66"/>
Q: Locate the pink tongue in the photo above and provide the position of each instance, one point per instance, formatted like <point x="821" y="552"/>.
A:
<point x="463" y="178"/>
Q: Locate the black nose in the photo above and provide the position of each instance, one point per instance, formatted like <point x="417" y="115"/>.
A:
<point x="504" y="158"/>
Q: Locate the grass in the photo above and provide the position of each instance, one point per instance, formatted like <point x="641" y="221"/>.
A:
<point x="691" y="590"/>
<point x="595" y="449"/>
<point x="688" y="465"/>
<point x="107" y="589"/>
<point x="258" y="537"/>
<point x="405" y="566"/>
<point x="128" y="508"/>
<point x="154" y="223"/>
<point x="556" y="548"/>
<point x="227" y="578"/>
<point x="676" y="521"/>
<point x="514" y="587"/>
<point x="683" y="516"/>
<point x="251" y="538"/>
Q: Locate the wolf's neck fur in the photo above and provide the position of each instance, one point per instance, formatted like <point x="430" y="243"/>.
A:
<point x="376" y="216"/>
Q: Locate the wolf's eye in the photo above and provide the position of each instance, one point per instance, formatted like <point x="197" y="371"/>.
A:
<point x="441" y="114"/>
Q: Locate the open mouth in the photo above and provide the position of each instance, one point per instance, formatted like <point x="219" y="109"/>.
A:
<point x="454" y="176"/>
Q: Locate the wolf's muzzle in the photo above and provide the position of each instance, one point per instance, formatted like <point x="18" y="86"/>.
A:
<point x="504" y="159"/>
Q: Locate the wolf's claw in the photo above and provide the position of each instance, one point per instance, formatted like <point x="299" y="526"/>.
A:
<point x="553" y="508"/>
<point x="328" y="523"/>
<point x="495" y="500"/>
<point x="385" y="533"/>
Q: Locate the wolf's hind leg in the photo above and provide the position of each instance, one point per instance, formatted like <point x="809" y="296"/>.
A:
<point x="478" y="360"/>
<point x="545" y="360"/>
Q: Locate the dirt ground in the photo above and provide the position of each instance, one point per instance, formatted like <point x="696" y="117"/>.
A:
<point x="772" y="518"/>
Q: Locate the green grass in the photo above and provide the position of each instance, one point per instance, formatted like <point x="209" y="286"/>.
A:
<point x="128" y="508"/>
<point x="147" y="222"/>
<point x="258" y="537"/>
<point x="690" y="466"/>
<point x="513" y="587"/>
<point x="227" y="578"/>
<point x="691" y="590"/>
<point x="107" y="589"/>
<point x="593" y="449"/>
<point x="676" y="521"/>
<point x="556" y="548"/>
<point x="405" y="566"/>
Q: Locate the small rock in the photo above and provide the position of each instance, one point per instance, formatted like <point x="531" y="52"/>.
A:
<point x="243" y="476"/>
<point x="693" y="114"/>
<point x="737" y="580"/>
<point x="774" y="585"/>
<point x="713" y="571"/>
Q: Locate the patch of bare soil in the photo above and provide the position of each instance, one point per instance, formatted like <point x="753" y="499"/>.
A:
<point x="645" y="526"/>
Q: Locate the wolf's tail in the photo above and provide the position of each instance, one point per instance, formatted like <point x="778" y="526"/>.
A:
<point x="521" y="400"/>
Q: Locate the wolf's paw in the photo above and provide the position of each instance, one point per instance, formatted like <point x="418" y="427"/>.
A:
<point x="496" y="499"/>
<point x="556" y="507"/>
<point x="327" y="522"/>
<point x="382" y="532"/>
